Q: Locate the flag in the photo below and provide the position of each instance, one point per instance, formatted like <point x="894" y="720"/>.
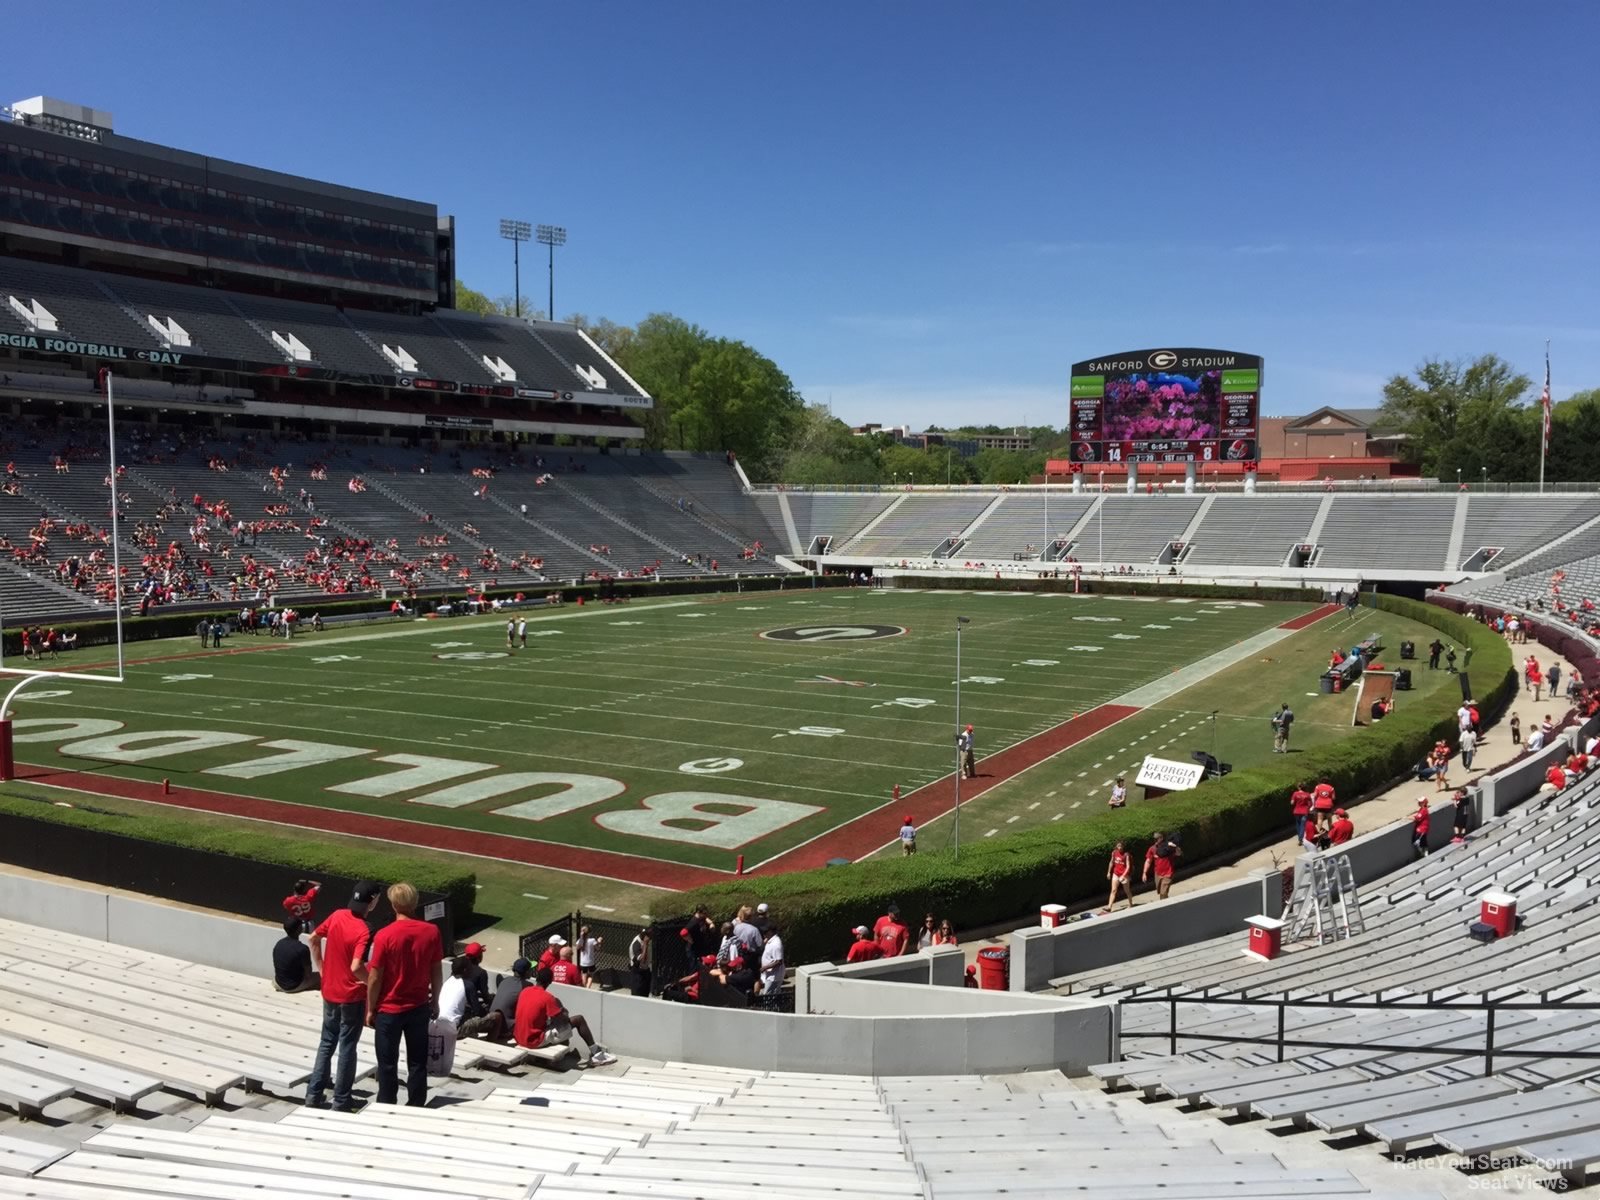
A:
<point x="1544" y="403"/>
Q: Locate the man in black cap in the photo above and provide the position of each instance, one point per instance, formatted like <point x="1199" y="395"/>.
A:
<point x="339" y="950"/>
<point x="502" y="1016"/>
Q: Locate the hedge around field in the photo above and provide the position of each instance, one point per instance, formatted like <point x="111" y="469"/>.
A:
<point x="299" y="855"/>
<point x="102" y="630"/>
<point x="1008" y="878"/>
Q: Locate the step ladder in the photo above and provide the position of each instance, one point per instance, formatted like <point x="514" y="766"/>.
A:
<point x="1326" y="905"/>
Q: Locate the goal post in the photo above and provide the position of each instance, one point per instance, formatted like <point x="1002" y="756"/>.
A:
<point x="24" y="676"/>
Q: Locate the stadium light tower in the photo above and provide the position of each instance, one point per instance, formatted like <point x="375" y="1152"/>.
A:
<point x="516" y="232"/>
<point x="552" y="236"/>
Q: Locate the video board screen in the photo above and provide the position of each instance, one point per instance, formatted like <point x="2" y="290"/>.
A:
<point x="1166" y="406"/>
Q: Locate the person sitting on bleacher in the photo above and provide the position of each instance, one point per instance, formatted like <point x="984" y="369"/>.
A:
<point x="453" y="995"/>
<point x="477" y="981"/>
<point x="291" y="961"/>
<point x="497" y="1023"/>
<point x="544" y="1021"/>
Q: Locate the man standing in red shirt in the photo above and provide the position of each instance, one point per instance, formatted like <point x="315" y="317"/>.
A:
<point x="892" y="935"/>
<point x="863" y="949"/>
<point x="339" y="951"/>
<point x="403" y="981"/>
<point x="1160" y="858"/>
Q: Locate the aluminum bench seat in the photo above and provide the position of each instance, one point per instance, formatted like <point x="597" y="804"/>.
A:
<point x="140" y="1177"/>
<point x="1400" y="1133"/>
<point x="1353" y="1113"/>
<point x="1570" y="1154"/>
<point x="24" y="1154"/>
<point x="205" y="1081"/>
<point x="96" y="1080"/>
<point x="389" y="1146"/>
<point x="1511" y="1130"/>
<point x="462" y="1121"/>
<point x="167" y="1147"/>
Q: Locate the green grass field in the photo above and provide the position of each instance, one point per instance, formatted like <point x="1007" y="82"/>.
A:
<point x="628" y="742"/>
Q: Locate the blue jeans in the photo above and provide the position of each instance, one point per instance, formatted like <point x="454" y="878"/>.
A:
<point x="387" y="1031"/>
<point x="1300" y="826"/>
<point x="341" y="1024"/>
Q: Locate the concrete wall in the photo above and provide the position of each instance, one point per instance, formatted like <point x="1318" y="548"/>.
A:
<point x="201" y="937"/>
<point x="866" y="1028"/>
<point x="1040" y="955"/>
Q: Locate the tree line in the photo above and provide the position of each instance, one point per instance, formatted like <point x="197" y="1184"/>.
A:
<point x="1478" y="417"/>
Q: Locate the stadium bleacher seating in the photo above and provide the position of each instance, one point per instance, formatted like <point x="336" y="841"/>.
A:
<point x="918" y="526"/>
<point x="1398" y="1012"/>
<point x="1241" y="531"/>
<point x="503" y="1129"/>
<point x="1368" y="532"/>
<point x="1020" y="521"/>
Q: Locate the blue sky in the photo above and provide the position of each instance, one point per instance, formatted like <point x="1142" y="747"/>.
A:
<point x="925" y="212"/>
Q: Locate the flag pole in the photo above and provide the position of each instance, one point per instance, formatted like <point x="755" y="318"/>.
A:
<point x="1544" y="417"/>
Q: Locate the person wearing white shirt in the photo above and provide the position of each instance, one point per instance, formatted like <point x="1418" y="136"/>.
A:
<point x="453" y="995"/>
<point x="588" y="947"/>
<point x="772" y="961"/>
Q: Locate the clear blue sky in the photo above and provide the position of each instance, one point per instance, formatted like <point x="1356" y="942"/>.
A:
<point x="925" y="212"/>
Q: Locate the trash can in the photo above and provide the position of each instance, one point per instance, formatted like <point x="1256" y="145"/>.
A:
<point x="994" y="969"/>
<point x="1402" y="679"/>
<point x="1266" y="936"/>
<point x="1408" y="650"/>
<point x="1325" y="684"/>
<point x="1052" y="915"/>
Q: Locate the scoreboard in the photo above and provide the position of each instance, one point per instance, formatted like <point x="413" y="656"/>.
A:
<point x="1166" y="406"/>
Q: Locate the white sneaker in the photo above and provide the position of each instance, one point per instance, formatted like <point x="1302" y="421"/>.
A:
<point x="601" y="1058"/>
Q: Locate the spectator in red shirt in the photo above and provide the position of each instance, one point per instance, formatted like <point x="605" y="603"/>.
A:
<point x="1323" y="799"/>
<point x="1119" y="873"/>
<point x="1420" y="820"/>
<point x="1556" y="777"/>
<point x="300" y="902"/>
<point x="1161" y="859"/>
<point x="403" y="981"/>
<point x="542" y="1021"/>
<point x="553" y="951"/>
<point x="564" y="970"/>
<point x="891" y="934"/>
<point x="339" y="951"/>
<point x="1342" y="829"/>
<point x="864" y="948"/>
<point x="1300" y="806"/>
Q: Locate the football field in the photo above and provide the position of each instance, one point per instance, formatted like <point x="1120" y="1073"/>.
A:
<point x="654" y="742"/>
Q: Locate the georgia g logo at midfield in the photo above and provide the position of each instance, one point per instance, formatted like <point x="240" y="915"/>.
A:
<point x="834" y="633"/>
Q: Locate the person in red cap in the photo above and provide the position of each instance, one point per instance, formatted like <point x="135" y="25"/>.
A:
<point x="476" y="980"/>
<point x="908" y="837"/>
<point x="864" y="948"/>
<point x="1342" y="829"/>
<point x="971" y="978"/>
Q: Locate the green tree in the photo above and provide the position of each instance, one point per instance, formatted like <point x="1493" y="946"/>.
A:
<point x="660" y="355"/>
<point x="739" y="400"/>
<point x="1451" y="413"/>
<point x="1574" y="438"/>
<point x="470" y="301"/>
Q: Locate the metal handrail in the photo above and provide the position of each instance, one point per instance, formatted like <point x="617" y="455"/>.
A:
<point x="1281" y="1041"/>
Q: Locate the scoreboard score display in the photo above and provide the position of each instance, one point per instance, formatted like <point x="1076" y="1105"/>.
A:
<point x="1166" y="406"/>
